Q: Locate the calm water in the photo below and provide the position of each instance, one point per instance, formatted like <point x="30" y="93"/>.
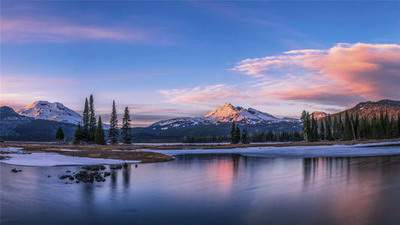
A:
<point x="205" y="190"/>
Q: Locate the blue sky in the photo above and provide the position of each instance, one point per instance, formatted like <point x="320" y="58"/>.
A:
<point x="182" y="58"/>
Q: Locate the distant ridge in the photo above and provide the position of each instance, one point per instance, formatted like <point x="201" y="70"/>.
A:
<point x="369" y="109"/>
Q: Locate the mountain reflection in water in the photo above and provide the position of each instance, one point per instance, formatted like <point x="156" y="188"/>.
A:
<point x="228" y="189"/>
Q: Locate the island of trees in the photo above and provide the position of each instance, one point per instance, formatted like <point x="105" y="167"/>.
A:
<point x="91" y="130"/>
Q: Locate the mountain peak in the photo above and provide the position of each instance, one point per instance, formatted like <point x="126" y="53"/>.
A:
<point x="50" y="111"/>
<point x="230" y="113"/>
<point x="319" y="115"/>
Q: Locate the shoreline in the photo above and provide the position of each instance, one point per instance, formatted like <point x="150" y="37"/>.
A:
<point x="162" y="153"/>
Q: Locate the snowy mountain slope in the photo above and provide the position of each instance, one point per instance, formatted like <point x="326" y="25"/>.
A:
<point x="51" y="111"/>
<point x="229" y="113"/>
<point x="222" y="115"/>
<point x="180" y="122"/>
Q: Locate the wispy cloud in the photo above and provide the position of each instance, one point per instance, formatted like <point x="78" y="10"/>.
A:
<point x="343" y="74"/>
<point x="204" y="95"/>
<point x="55" y="30"/>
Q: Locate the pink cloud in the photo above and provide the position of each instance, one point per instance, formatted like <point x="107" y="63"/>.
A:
<point x="29" y="30"/>
<point x="343" y="74"/>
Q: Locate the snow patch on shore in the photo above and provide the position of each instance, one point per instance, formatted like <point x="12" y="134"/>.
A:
<point x="298" y="151"/>
<point x="54" y="159"/>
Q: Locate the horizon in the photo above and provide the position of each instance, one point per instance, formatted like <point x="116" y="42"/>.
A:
<point x="187" y="58"/>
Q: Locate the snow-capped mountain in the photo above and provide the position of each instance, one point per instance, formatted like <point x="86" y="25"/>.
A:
<point x="229" y="113"/>
<point x="319" y="115"/>
<point x="50" y="111"/>
<point x="222" y="115"/>
<point x="180" y="122"/>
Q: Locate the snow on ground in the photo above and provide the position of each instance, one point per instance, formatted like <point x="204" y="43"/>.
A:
<point x="11" y="150"/>
<point x="54" y="159"/>
<point x="298" y="151"/>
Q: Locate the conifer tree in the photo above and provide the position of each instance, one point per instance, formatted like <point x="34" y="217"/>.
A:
<point x="328" y="127"/>
<point x="233" y="133"/>
<point x="398" y="125"/>
<point x="113" y="131"/>
<point x="305" y="117"/>
<point x="322" y="130"/>
<point x="126" y="127"/>
<point x="99" y="137"/>
<point x="237" y="135"/>
<point x="348" y="133"/>
<point x="92" y="119"/>
<point x="85" y="121"/>
<point x="314" y="130"/>
<point x="245" y="137"/>
<point x="60" y="134"/>
<point x="78" y="134"/>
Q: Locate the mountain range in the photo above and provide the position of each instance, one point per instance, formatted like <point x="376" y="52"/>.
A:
<point x="39" y="121"/>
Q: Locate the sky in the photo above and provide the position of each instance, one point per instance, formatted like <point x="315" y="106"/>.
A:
<point x="169" y="59"/>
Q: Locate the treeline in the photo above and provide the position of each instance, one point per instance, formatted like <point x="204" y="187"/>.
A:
<point x="277" y="136"/>
<point x="91" y="130"/>
<point x="350" y="126"/>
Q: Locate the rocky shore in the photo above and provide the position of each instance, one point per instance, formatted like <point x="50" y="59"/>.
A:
<point x="91" y="174"/>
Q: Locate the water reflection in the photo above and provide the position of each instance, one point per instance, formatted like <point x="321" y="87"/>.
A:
<point x="228" y="189"/>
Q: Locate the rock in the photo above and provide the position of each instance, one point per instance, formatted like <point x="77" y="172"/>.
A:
<point x="68" y="171"/>
<point x="115" y="167"/>
<point x="106" y="174"/>
<point x="94" y="167"/>
<point x="63" y="177"/>
<point x="16" y="170"/>
<point x="136" y="165"/>
<point x="48" y="176"/>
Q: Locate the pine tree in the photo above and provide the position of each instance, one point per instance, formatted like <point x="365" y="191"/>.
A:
<point x="99" y="137"/>
<point x="348" y="131"/>
<point x="113" y="131"/>
<point x="245" y="137"/>
<point x="398" y="125"/>
<point x="328" y="123"/>
<point x="78" y="134"/>
<point x="126" y="127"/>
<point x="305" y="117"/>
<point x="322" y="130"/>
<point x="92" y="119"/>
<point x="314" y="130"/>
<point x="85" y="121"/>
<point x="233" y="133"/>
<point x="237" y="135"/>
<point x="60" y="134"/>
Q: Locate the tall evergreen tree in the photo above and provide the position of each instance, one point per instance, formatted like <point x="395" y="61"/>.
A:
<point x="92" y="119"/>
<point x="322" y="130"/>
<point x="85" y="121"/>
<point x="237" y="135"/>
<point x="314" y="130"/>
<point x="126" y="127"/>
<point x="60" y="134"/>
<point x="78" y="136"/>
<point x="113" y="131"/>
<point x="328" y="122"/>
<point x="348" y="131"/>
<point x="305" y="117"/>
<point x="398" y="125"/>
<point x="233" y="133"/>
<point x="245" y="137"/>
<point x="99" y="137"/>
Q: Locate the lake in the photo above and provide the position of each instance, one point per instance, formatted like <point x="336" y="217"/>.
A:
<point x="209" y="189"/>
